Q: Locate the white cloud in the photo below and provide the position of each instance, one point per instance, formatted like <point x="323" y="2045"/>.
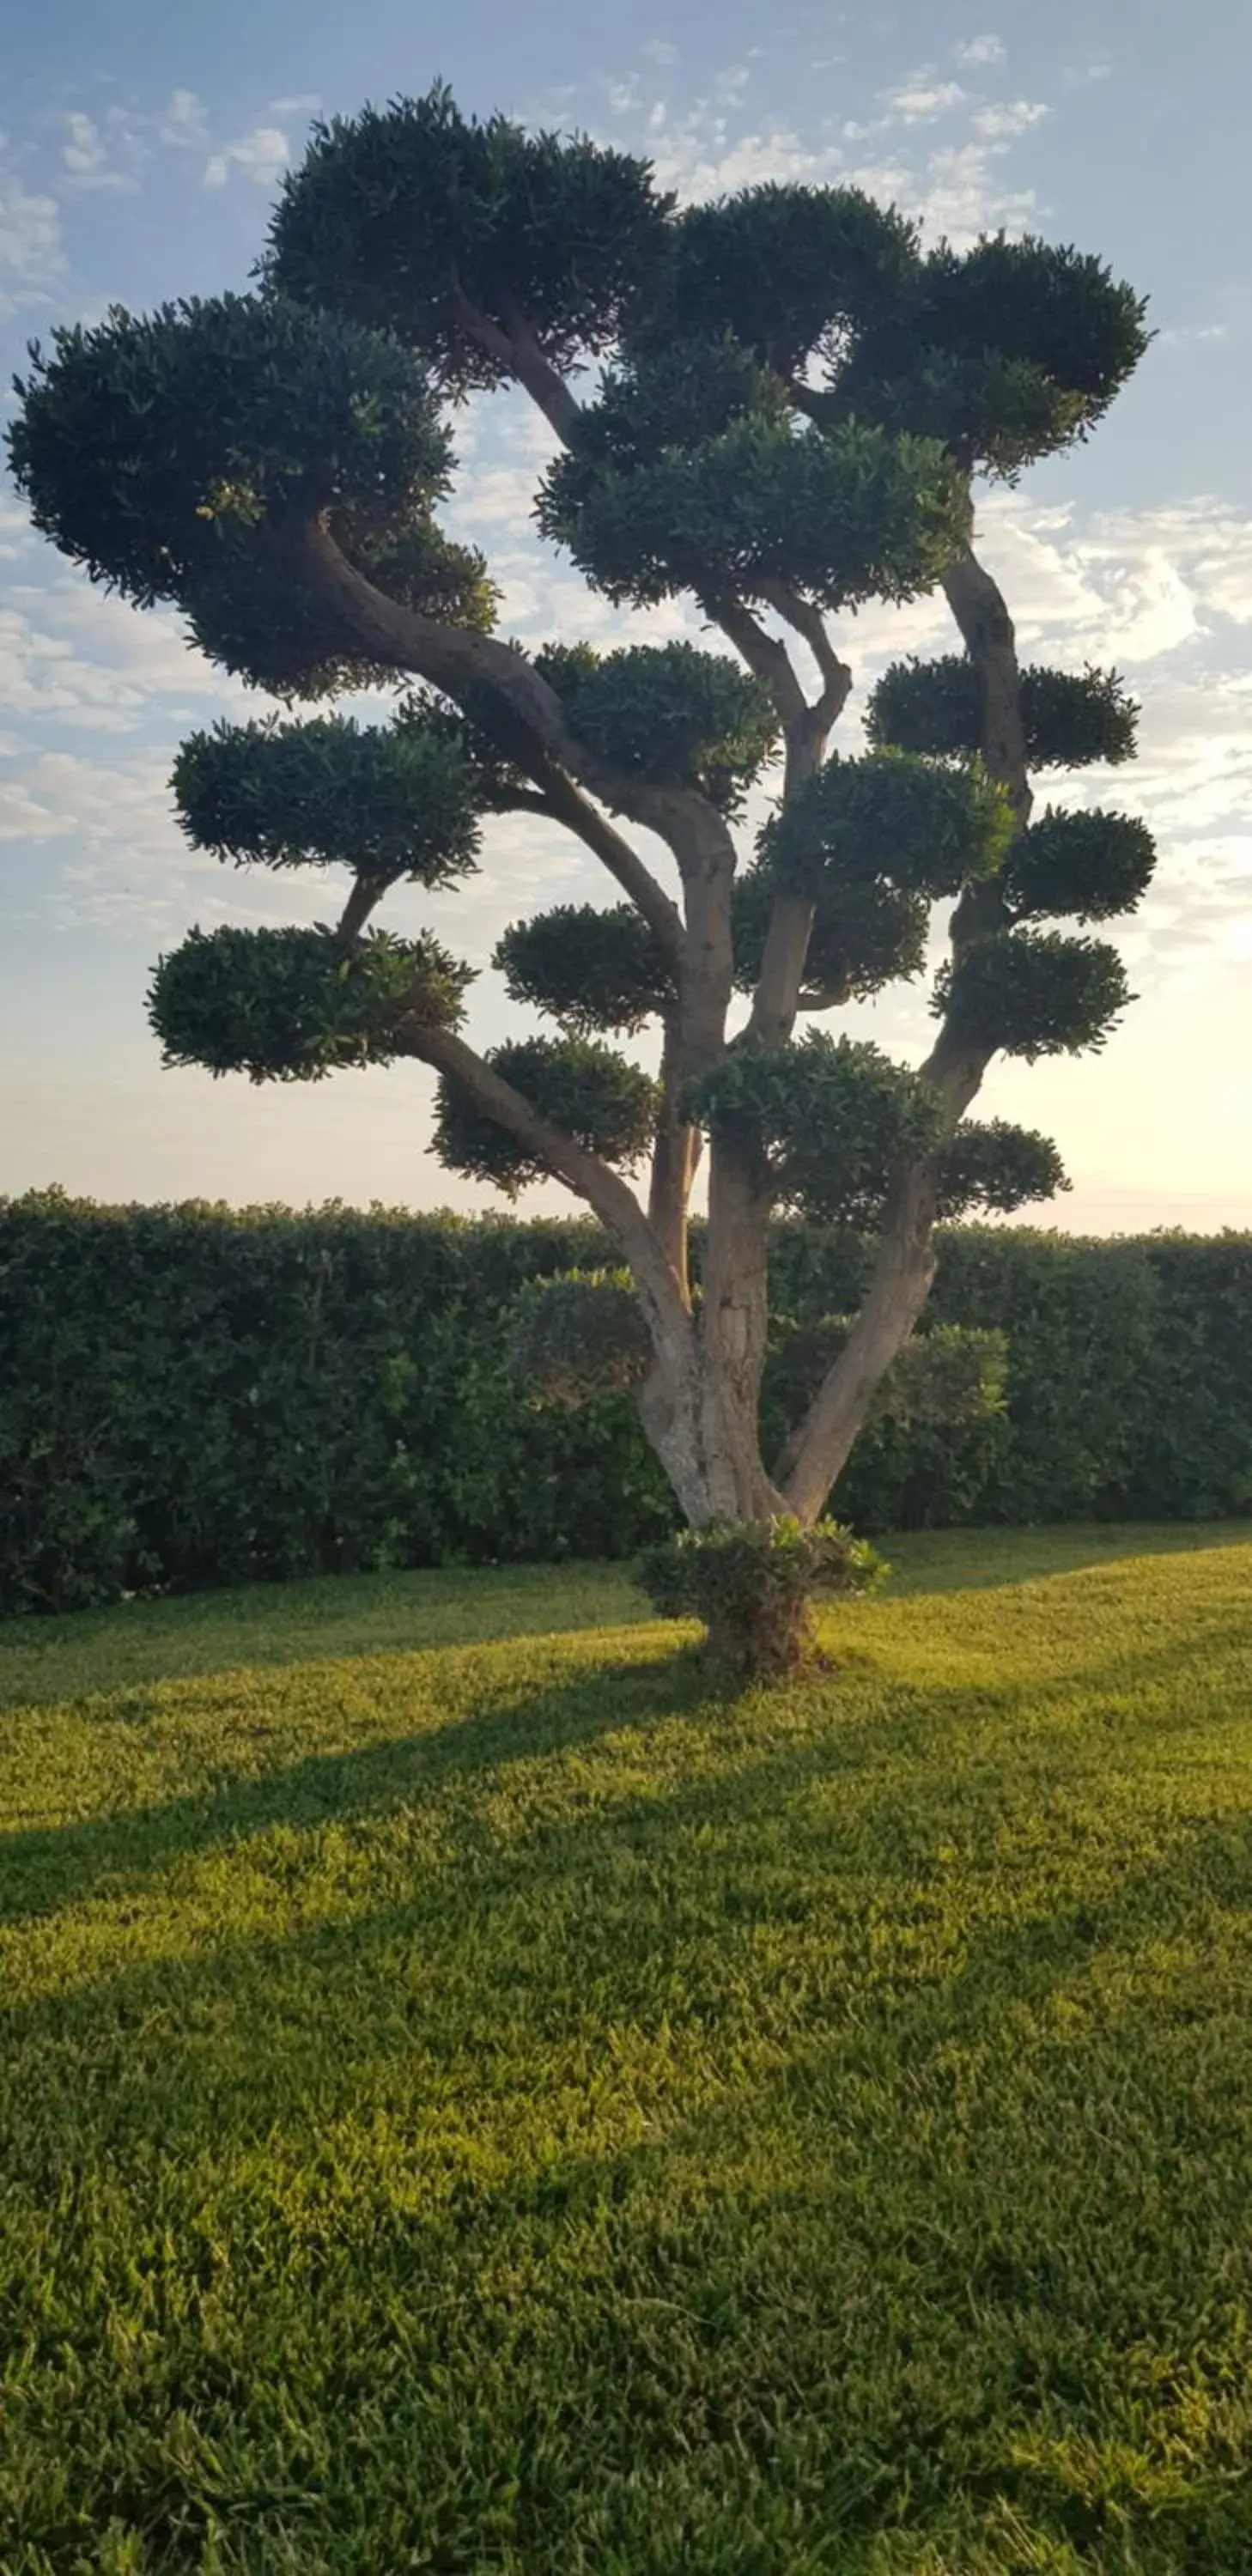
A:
<point x="1080" y="75"/>
<point x="1004" y="119"/>
<point x="92" y="160"/>
<point x="182" y="120"/>
<point x="261" y="156"/>
<point x="304" y="102"/>
<point x="32" y="255"/>
<point x="979" y="51"/>
<point x="918" y="100"/>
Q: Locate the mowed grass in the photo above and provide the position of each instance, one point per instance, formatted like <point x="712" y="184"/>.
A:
<point x="470" y="2102"/>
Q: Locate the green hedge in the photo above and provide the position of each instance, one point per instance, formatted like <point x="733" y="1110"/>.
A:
<point x="191" y="1395"/>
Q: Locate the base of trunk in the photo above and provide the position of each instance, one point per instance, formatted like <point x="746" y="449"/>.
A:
<point x="760" y="1639"/>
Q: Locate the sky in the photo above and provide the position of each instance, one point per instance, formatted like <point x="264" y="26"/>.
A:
<point x="140" y="151"/>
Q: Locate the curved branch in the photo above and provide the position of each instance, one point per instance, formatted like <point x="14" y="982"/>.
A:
<point x="466" y="665"/>
<point x="517" y="349"/>
<point x="582" y="1172"/>
<point x="366" y="895"/>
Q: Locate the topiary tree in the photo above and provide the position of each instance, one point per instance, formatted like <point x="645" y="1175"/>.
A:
<point x="795" y="403"/>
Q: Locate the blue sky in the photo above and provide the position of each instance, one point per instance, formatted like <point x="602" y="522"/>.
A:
<point x="141" y="146"/>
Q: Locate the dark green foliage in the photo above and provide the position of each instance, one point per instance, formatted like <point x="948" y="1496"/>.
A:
<point x="944" y="1376"/>
<point x="830" y="1118"/>
<point x="865" y="934"/>
<point x="1032" y="993"/>
<point x="587" y="968"/>
<point x="676" y="395"/>
<point x="751" y="1583"/>
<point x="404" y="215"/>
<point x="383" y="801"/>
<point x="294" y="1005"/>
<point x="998" y="1167"/>
<point x="193" y="1396"/>
<point x="578" y="1336"/>
<point x="925" y="829"/>
<point x="784" y="269"/>
<point x="668" y="714"/>
<point x="149" y="447"/>
<point x="587" y="1091"/>
<point x="846" y="516"/>
<point x="1091" y="864"/>
<point x="256" y="614"/>
<point x="1006" y="353"/>
<point x="1071" y="718"/>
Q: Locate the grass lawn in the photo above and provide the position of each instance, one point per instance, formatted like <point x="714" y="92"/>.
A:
<point x="470" y="2103"/>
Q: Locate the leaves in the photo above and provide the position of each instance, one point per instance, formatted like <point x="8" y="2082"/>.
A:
<point x="1092" y="865"/>
<point x="385" y="801"/>
<point x="830" y="1121"/>
<point x="295" y="1005"/>
<point x="412" y="218"/>
<point x="1070" y="718"/>
<point x="586" y="1091"/>
<point x="1032" y="993"/>
<point x="668" y="714"/>
<point x="924" y="829"/>
<point x="588" y="968"/>
<point x="844" y="516"/>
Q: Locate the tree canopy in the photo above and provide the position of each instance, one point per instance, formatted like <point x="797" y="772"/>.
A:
<point x="772" y="408"/>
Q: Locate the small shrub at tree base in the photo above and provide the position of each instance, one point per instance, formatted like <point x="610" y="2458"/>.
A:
<point x="752" y="1584"/>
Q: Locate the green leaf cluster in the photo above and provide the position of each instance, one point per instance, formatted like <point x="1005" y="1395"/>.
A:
<point x="865" y="934"/>
<point x="293" y="1005"/>
<point x="588" y="1091"/>
<point x="921" y="827"/>
<point x="995" y="1167"/>
<point x="844" y="516"/>
<point x="1007" y="353"/>
<point x="829" y="1120"/>
<point x="667" y="714"/>
<point x="1032" y="993"/>
<point x="944" y="1376"/>
<point x="590" y="969"/>
<point x="578" y="1336"/>
<point x="1089" y="864"/>
<point x="412" y="217"/>
<point x="785" y="271"/>
<point x="387" y="802"/>
<point x="1070" y="718"/>
<point x="147" y="446"/>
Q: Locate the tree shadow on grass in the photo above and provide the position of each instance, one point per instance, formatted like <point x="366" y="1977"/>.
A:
<point x="936" y="1561"/>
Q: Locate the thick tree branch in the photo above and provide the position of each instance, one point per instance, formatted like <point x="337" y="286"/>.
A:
<point x="467" y="667"/>
<point x="366" y="895"/>
<point x="583" y="1172"/>
<point x="563" y="801"/>
<point x="822" y="1442"/>
<point x="764" y="654"/>
<point x="517" y="349"/>
<point x="836" y="677"/>
<point x="674" y="1160"/>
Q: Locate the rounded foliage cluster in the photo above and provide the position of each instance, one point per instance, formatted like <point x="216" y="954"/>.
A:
<point x="1006" y="352"/>
<point x="1070" y="718"/>
<point x="385" y="801"/>
<point x="865" y="934"/>
<point x="578" y="1335"/>
<point x="668" y="714"/>
<point x="586" y="1091"/>
<point x="783" y="268"/>
<point x="1092" y="865"/>
<point x="943" y="1376"/>
<point x="996" y="1167"/>
<point x="830" y="1120"/>
<point x="147" y="446"/>
<point x="1032" y="993"/>
<point x="294" y="1005"/>
<point x="844" y="516"/>
<point x="750" y="1583"/>
<point x="415" y="219"/>
<point x="587" y="968"/>
<point x="922" y="827"/>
